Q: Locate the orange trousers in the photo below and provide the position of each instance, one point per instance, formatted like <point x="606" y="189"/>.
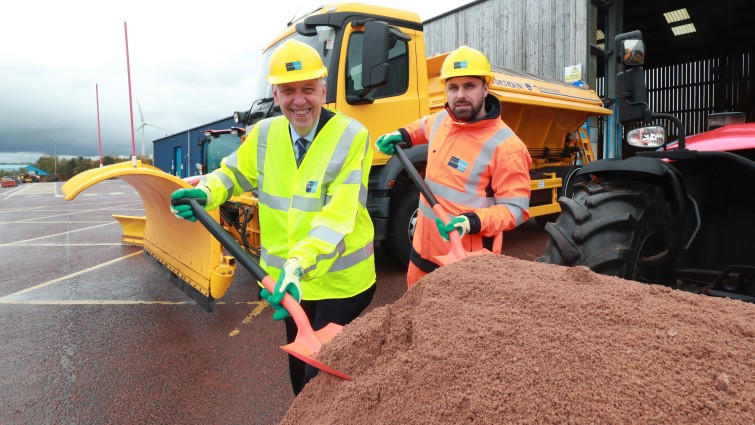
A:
<point x="413" y="274"/>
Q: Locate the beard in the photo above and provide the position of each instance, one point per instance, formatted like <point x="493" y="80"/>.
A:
<point x="467" y="111"/>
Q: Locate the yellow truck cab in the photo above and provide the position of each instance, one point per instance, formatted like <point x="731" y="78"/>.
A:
<point x="379" y="75"/>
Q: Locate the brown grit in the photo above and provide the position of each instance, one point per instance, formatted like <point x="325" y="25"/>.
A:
<point x="494" y="339"/>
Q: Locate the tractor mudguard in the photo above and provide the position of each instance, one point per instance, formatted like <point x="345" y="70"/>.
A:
<point x="656" y="170"/>
<point x="637" y="164"/>
<point x="186" y="249"/>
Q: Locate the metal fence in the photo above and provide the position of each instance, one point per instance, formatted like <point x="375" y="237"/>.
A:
<point x="693" y="90"/>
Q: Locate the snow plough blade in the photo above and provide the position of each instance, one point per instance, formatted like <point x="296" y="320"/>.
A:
<point x="191" y="258"/>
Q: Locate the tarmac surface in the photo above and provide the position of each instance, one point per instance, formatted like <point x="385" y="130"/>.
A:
<point x="93" y="333"/>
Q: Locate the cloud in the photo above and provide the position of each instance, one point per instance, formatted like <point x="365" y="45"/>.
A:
<point x="191" y="63"/>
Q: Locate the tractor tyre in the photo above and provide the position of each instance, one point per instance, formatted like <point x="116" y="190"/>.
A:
<point x="398" y="242"/>
<point x="616" y="228"/>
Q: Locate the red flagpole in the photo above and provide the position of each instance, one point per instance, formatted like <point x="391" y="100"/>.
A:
<point x="130" y="102"/>
<point x="99" y="137"/>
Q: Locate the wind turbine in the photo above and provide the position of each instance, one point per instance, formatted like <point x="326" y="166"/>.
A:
<point x="145" y="124"/>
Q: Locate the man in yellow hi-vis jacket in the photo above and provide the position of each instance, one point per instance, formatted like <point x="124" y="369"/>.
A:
<point x="310" y="168"/>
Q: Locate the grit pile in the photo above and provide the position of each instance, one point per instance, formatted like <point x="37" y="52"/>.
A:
<point x="493" y="339"/>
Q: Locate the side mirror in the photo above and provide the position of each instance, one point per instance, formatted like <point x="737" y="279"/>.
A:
<point x="631" y="90"/>
<point x="375" y="55"/>
<point x="379" y="38"/>
<point x="620" y="47"/>
<point x="632" y="52"/>
<point x="647" y="137"/>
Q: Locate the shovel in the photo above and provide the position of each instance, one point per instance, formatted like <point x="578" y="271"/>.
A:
<point x="308" y="341"/>
<point x="457" y="251"/>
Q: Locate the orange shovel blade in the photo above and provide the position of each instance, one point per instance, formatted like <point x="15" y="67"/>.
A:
<point x="305" y="348"/>
<point x="457" y="251"/>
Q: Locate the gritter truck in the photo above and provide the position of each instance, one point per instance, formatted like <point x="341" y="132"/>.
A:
<point x="378" y="74"/>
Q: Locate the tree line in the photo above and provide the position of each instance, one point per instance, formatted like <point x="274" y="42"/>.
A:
<point x="71" y="167"/>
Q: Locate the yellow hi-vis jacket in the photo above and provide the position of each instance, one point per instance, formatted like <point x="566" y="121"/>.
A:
<point x="317" y="212"/>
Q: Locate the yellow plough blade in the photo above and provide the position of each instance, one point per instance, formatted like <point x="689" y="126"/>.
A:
<point x="186" y="249"/>
<point x="133" y="229"/>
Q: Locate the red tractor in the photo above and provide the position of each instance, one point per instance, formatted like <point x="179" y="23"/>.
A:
<point x="679" y="214"/>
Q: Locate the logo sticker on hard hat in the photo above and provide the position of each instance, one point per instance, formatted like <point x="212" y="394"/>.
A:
<point x="293" y="66"/>
<point x="460" y="64"/>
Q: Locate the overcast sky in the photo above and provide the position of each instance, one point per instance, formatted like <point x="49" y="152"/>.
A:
<point x="192" y="63"/>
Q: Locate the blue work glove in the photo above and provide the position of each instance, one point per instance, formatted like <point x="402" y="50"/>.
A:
<point x="288" y="282"/>
<point x="386" y="142"/>
<point x="460" y="223"/>
<point x="184" y="211"/>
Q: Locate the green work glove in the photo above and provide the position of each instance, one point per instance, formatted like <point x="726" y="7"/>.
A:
<point x="460" y="223"/>
<point x="288" y="282"/>
<point x="184" y="211"/>
<point x="386" y="142"/>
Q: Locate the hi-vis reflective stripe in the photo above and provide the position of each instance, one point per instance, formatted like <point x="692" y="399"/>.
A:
<point x="264" y="128"/>
<point x="354" y="177"/>
<point x="354" y="258"/>
<point x="308" y="204"/>
<point x="422" y="122"/>
<point x="274" y="202"/>
<point x="271" y="260"/>
<point x="232" y="162"/>
<point x="326" y="234"/>
<point x="471" y="200"/>
<point x="485" y="156"/>
<point x="515" y="205"/>
<point x="438" y="119"/>
<point x="342" y="263"/>
<point x="342" y="151"/>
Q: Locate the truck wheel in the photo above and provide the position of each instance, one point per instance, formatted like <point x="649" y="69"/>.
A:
<point x="398" y="241"/>
<point x="617" y="228"/>
<point x="569" y="178"/>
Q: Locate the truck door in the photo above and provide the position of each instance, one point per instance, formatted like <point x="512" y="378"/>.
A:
<point x="393" y="105"/>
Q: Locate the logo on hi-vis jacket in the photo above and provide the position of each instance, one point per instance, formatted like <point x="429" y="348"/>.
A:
<point x="311" y="186"/>
<point x="460" y="65"/>
<point x="458" y="164"/>
<point x="293" y="66"/>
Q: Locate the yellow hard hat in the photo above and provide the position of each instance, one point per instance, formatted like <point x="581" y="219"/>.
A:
<point x="295" y="61"/>
<point x="465" y="61"/>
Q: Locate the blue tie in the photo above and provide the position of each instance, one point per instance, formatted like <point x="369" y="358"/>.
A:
<point x="301" y="147"/>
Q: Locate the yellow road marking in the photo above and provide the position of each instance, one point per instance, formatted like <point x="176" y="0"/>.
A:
<point x="259" y="306"/>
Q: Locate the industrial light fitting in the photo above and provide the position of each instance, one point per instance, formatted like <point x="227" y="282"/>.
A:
<point x="676" y="15"/>
<point x="683" y="29"/>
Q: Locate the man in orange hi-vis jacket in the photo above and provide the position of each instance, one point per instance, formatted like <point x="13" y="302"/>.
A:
<point x="477" y="168"/>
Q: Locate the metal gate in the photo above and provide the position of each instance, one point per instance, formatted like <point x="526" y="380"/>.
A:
<point x="693" y="90"/>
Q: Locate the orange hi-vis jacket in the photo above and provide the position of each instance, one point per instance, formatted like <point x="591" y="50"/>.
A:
<point x="479" y="167"/>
